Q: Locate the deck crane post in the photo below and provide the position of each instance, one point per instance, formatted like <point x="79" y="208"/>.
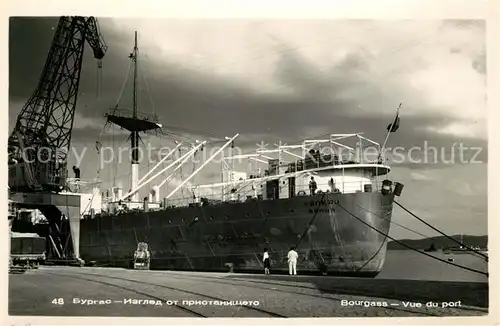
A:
<point x="40" y="141"/>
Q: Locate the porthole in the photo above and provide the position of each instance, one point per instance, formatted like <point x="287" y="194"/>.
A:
<point x="170" y="221"/>
<point x="247" y="215"/>
<point x="182" y="219"/>
<point x="226" y="217"/>
<point x="210" y="218"/>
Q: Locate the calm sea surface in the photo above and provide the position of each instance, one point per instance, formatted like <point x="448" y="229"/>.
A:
<point x="411" y="265"/>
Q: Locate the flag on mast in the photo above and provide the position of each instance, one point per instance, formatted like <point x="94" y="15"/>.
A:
<point x="394" y="126"/>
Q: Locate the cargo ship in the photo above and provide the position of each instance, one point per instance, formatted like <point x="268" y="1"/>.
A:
<point x="319" y="196"/>
<point x="232" y="234"/>
<point x="334" y="208"/>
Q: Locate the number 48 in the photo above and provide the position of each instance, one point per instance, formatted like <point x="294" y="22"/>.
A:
<point x="58" y="301"/>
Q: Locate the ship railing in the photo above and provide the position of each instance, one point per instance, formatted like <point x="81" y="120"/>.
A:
<point x="245" y="187"/>
<point x="318" y="160"/>
<point x="325" y="152"/>
<point x="139" y="115"/>
<point x="324" y="160"/>
<point x="344" y="187"/>
<point x="78" y="185"/>
<point x="336" y="150"/>
<point x="248" y="186"/>
<point x="213" y="196"/>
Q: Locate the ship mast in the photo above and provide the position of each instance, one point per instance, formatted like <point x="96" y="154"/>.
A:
<point x="135" y="133"/>
<point x="135" y="123"/>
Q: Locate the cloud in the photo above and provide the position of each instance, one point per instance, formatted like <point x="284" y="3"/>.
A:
<point x="309" y="74"/>
<point x="453" y="199"/>
<point x="419" y="176"/>
<point x="356" y="66"/>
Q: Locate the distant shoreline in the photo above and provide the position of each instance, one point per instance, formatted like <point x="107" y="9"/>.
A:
<point x="440" y="242"/>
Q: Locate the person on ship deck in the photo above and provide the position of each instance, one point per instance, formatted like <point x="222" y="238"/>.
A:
<point x="312" y="186"/>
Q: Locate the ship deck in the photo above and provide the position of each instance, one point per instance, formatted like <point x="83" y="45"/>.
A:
<point x="33" y="293"/>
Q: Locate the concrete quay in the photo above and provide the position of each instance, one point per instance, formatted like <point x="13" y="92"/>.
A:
<point x="106" y="292"/>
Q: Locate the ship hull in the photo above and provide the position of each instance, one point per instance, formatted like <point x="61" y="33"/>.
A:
<point x="232" y="236"/>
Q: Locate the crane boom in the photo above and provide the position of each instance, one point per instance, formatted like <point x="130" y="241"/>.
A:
<point x="40" y="142"/>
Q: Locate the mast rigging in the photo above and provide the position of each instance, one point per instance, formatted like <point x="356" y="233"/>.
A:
<point x="134" y="122"/>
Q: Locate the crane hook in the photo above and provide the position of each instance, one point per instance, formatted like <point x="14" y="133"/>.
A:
<point x="99" y="78"/>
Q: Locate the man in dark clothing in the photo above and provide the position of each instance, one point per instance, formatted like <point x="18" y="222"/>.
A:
<point x="267" y="262"/>
<point x="312" y="186"/>
<point x="77" y="172"/>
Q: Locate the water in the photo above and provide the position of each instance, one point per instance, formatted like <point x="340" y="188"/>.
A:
<point x="411" y="265"/>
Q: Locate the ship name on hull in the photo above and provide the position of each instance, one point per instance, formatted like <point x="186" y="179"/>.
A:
<point x="318" y="203"/>
<point x="320" y="206"/>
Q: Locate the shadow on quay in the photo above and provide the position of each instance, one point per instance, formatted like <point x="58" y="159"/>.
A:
<point x="468" y="293"/>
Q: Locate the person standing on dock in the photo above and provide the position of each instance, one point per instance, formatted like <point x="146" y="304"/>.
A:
<point x="292" y="261"/>
<point x="267" y="262"/>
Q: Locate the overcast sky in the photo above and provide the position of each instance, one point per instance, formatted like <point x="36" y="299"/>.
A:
<point x="292" y="79"/>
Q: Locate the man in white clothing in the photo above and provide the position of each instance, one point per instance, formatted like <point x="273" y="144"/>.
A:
<point x="292" y="261"/>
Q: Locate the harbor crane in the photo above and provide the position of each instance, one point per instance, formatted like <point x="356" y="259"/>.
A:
<point x="40" y="141"/>
<point x="44" y="126"/>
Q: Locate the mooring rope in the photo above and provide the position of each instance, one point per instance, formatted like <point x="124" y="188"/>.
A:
<point x="409" y="247"/>
<point x="442" y="233"/>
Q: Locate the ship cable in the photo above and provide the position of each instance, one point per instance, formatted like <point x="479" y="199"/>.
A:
<point x="402" y="226"/>
<point x="120" y="95"/>
<point x="381" y="246"/>
<point x="309" y="226"/>
<point x="338" y="238"/>
<point x="372" y="257"/>
<point x="411" y="248"/>
<point x="148" y="90"/>
<point x="310" y="223"/>
<point x="114" y="111"/>
<point x="442" y="233"/>
<point x="166" y="127"/>
<point x="259" y="208"/>
<point x="97" y="178"/>
<point x="383" y="242"/>
<point x="387" y="219"/>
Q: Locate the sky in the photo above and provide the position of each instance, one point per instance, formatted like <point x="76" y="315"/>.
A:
<point x="290" y="80"/>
